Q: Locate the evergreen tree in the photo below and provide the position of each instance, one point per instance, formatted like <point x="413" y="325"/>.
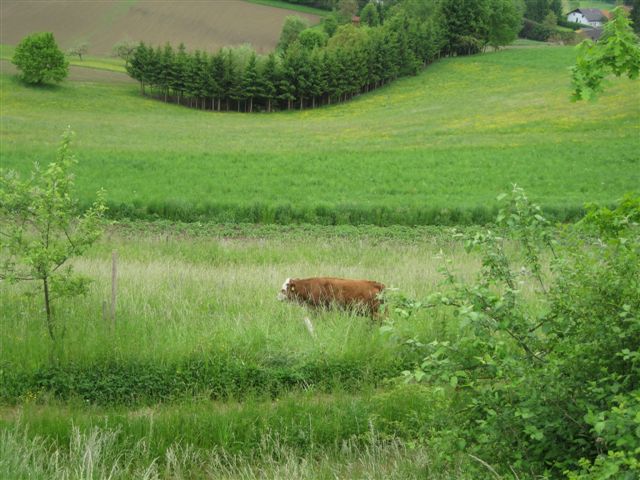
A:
<point x="268" y="80"/>
<point x="179" y="66"/>
<point x="286" y="92"/>
<point x="166" y="75"/>
<point x="139" y="64"/>
<point x="250" y="82"/>
<point x="217" y="73"/>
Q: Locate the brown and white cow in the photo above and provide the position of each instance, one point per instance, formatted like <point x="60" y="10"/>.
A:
<point x="359" y="295"/>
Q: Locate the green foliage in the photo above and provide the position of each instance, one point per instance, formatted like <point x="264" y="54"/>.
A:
<point x="617" y="52"/>
<point x="40" y="60"/>
<point x="369" y="15"/>
<point x="346" y="9"/>
<point x="505" y="21"/>
<point x="550" y="384"/>
<point x="312" y="38"/>
<point x="352" y="61"/>
<point x="42" y="229"/>
<point x="330" y="25"/>
<point x="469" y="26"/>
<point x="293" y="26"/>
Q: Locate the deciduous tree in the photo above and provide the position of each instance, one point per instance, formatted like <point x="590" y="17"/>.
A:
<point x="43" y="228"/>
<point x="40" y="60"/>
<point x="617" y="52"/>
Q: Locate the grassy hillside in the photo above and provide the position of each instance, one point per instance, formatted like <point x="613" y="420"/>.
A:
<point x="436" y="148"/>
<point x="200" y="25"/>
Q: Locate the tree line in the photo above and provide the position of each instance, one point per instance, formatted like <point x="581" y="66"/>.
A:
<point x="319" y="66"/>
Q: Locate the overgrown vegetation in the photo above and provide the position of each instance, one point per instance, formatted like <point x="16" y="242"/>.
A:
<point x="552" y="386"/>
<point x="42" y="228"/>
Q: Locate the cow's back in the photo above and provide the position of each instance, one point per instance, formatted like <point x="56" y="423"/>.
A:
<point x="345" y="292"/>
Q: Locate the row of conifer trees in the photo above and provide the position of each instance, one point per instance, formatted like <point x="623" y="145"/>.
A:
<point x="354" y="60"/>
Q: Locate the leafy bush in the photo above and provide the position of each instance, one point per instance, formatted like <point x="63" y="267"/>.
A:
<point x="550" y="384"/>
<point x="40" y="59"/>
<point x="535" y="31"/>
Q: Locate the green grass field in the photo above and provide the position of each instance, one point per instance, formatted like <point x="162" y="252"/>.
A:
<point x="204" y="373"/>
<point x="433" y="149"/>
<point x="204" y="358"/>
<point x="588" y="4"/>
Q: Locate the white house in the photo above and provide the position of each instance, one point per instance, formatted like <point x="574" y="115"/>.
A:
<point x="587" y="16"/>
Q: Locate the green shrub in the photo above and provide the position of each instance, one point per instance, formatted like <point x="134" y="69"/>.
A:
<point x="553" y="380"/>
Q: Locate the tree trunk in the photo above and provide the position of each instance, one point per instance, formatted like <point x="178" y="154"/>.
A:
<point x="47" y="307"/>
<point x="251" y="105"/>
<point x="269" y="105"/>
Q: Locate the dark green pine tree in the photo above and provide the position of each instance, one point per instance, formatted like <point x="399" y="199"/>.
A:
<point x="250" y="82"/>
<point x="286" y="92"/>
<point x="201" y="74"/>
<point x="217" y="74"/>
<point x="167" y="72"/>
<point x="230" y="77"/>
<point x="268" y="81"/>
<point x="155" y="68"/>
<point x="317" y="79"/>
<point x="180" y="64"/>
<point x="138" y="67"/>
<point x="332" y="71"/>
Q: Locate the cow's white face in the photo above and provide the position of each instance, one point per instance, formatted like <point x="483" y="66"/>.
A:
<point x="283" y="291"/>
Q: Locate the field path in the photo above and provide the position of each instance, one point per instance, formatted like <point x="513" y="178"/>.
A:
<point x="200" y="25"/>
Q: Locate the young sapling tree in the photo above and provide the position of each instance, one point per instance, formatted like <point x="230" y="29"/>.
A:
<point x="42" y="228"/>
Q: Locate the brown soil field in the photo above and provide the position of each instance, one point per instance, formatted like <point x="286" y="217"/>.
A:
<point x="79" y="74"/>
<point x="205" y="24"/>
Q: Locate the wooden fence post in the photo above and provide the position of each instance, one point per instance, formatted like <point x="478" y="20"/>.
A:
<point x="114" y="286"/>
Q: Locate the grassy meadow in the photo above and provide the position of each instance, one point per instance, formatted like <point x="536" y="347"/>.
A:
<point x="433" y="149"/>
<point x="206" y="375"/>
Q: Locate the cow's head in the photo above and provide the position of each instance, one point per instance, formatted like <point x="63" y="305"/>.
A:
<point x="287" y="290"/>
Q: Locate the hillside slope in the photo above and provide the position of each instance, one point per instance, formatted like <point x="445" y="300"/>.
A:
<point x="436" y="148"/>
<point x="200" y="25"/>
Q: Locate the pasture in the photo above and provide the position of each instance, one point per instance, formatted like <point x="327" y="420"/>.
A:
<point x="432" y="149"/>
<point x="206" y="368"/>
<point x="204" y="374"/>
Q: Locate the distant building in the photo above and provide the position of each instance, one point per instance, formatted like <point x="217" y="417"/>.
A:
<point x="587" y="16"/>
